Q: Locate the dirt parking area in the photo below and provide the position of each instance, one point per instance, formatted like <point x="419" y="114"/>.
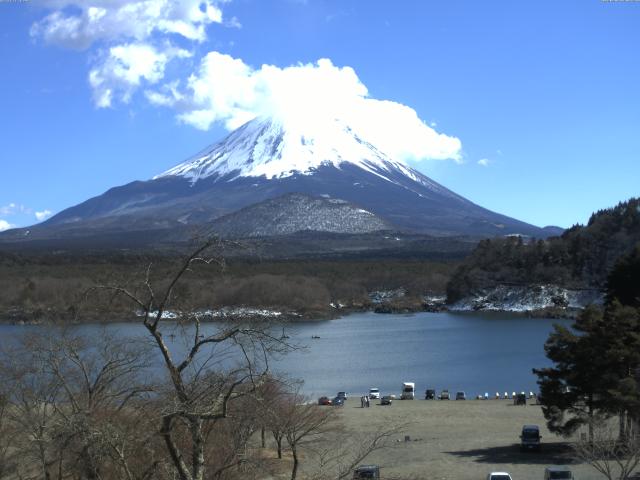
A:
<point x="460" y="439"/>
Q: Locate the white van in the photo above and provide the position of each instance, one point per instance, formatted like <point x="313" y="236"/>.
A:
<point x="374" y="393"/>
<point x="408" y="391"/>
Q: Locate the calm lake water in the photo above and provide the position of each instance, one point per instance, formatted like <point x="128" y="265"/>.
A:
<point x="474" y="352"/>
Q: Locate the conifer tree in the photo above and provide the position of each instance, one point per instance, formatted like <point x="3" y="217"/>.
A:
<point x="573" y="391"/>
<point x="596" y="368"/>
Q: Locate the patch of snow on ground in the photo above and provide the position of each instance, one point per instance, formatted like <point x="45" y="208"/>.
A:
<point x="381" y="296"/>
<point x="221" y="313"/>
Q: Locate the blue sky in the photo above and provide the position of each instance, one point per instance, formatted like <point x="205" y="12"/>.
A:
<point x="543" y="96"/>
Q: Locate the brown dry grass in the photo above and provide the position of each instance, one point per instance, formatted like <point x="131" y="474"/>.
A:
<point x="460" y="440"/>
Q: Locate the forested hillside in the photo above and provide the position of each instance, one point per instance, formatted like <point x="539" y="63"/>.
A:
<point x="49" y="287"/>
<point x="580" y="258"/>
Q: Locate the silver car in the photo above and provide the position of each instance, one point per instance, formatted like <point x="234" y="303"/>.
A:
<point x="499" y="476"/>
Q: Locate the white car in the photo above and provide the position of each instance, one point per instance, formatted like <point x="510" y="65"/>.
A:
<point x="374" y="393"/>
<point x="499" y="476"/>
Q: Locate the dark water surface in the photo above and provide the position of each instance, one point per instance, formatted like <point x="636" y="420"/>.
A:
<point x="474" y="352"/>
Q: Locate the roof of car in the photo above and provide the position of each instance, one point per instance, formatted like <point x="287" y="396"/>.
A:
<point x="558" y="468"/>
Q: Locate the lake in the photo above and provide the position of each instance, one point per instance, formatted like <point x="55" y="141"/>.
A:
<point x="475" y="352"/>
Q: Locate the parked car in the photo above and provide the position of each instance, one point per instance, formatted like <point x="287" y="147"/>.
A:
<point x="342" y="395"/>
<point x="498" y="476"/>
<point x="530" y="437"/>
<point x="520" y="399"/>
<point x="408" y="391"/>
<point x="430" y="394"/>
<point x="366" y="471"/>
<point x="557" y="473"/>
<point x="324" y="401"/>
<point x="338" y="402"/>
<point x="386" y="400"/>
<point x="444" y="395"/>
<point x="374" y="393"/>
<point x="460" y="395"/>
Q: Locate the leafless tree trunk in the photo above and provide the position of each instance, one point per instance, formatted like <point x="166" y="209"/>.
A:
<point x="302" y="422"/>
<point x="198" y="395"/>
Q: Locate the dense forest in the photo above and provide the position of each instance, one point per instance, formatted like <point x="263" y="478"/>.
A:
<point x="580" y="258"/>
<point x="50" y="287"/>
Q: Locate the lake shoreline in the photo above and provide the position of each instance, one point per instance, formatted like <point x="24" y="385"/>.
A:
<point x="53" y="317"/>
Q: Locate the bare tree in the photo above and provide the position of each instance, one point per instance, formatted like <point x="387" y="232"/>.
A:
<point x="303" y="422"/>
<point x="613" y="457"/>
<point x="271" y="405"/>
<point x="202" y="384"/>
<point x="30" y="415"/>
<point x="68" y="396"/>
<point x="353" y="450"/>
<point x="6" y="433"/>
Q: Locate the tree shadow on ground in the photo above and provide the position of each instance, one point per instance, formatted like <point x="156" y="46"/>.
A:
<point x="550" y="454"/>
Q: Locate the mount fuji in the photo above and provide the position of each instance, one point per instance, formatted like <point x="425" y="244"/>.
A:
<point x="266" y="160"/>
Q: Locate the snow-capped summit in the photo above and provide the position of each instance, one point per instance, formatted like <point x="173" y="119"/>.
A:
<point x="267" y="147"/>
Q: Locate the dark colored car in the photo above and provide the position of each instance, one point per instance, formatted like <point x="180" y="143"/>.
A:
<point x="530" y="437"/>
<point x="324" y="401"/>
<point x="366" y="471"/>
<point x="338" y="402"/>
<point x="430" y="394"/>
<point x="520" y="399"/>
<point x="342" y="395"/>
<point x="460" y="396"/>
<point x="386" y="400"/>
<point x="557" y="473"/>
<point x="444" y="395"/>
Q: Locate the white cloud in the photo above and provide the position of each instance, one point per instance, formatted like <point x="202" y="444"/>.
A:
<point x="8" y="209"/>
<point x="78" y="24"/>
<point x="226" y="90"/>
<point x="125" y="67"/>
<point x="13" y="209"/>
<point x="484" y="162"/>
<point x="134" y="38"/>
<point x="40" y="216"/>
<point x="4" y="225"/>
<point x="233" y="22"/>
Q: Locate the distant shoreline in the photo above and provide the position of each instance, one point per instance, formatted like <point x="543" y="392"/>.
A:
<point x="52" y="317"/>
